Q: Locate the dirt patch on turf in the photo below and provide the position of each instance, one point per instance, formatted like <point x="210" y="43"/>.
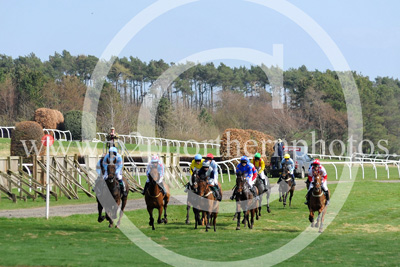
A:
<point x="372" y="228"/>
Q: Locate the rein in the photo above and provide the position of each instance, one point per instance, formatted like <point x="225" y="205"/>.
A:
<point x="148" y="192"/>
<point x="320" y="195"/>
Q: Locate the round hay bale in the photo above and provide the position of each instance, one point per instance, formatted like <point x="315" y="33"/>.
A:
<point x="60" y="120"/>
<point x="25" y="135"/>
<point x="238" y="142"/>
<point x="46" y="117"/>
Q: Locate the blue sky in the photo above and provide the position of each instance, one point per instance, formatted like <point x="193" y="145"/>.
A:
<point x="366" y="32"/>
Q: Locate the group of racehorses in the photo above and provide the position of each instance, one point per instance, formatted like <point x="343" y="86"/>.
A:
<point x="204" y="203"/>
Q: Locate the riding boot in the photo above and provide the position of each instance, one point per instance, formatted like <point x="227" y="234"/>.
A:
<point x="279" y="180"/>
<point x="233" y="194"/>
<point x="122" y="186"/>
<point x="161" y="185"/>
<point x="308" y="197"/>
<point x="217" y="192"/>
<point x="293" y="181"/>
<point x="145" y="188"/>
<point x="327" y="196"/>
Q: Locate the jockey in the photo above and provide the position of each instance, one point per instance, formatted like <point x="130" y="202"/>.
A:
<point x="155" y="162"/>
<point x="259" y="163"/>
<point x="214" y="167"/>
<point x="207" y="172"/>
<point x="111" y="137"/>
<point x="196" y="165"/>
<point x="113" y="154"/>
<point x="290" y="165"/>
<point x="316" y="165"/>
<point x="249" y="170"/>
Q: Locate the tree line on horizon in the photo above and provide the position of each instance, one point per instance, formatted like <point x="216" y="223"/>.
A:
<point x="202" y="101"/>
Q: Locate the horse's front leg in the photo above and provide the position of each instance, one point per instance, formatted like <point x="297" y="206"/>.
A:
<point x="234" y="216"/>
<point x="322" y="220"/>
<point x="238" y="216"/>
<point x="160" y="210"/>
<point x="110" y="220"/>
<point x="121" y="212"/>
<point x="318" y="218"/>
<point x="268" y="195"/>
<point x="251" y="224"/>
<point x="165" y="220"/>
<point x="246" y="218"/>
<point x="187" y="214"/>
<point x="151" y="221"/>
<point x="196" y="217"/>
<point x="284" y="199"/>
<point x="311" y="218"/>
<point x="208" y="221"/>
<point x="100" y="209"/>
<point x="291" y="195"/>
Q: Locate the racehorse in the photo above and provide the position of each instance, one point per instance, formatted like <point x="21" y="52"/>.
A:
<point x="245" y="201"/>
<point x="193" y="193"/>
<point x="155" y="199"/>
<point x="260" y="186"/>
<point x="211" y="205"/>
<point x="317" y="201"/>
<point x="114" y="188"/>
<point x="285" y="186"/>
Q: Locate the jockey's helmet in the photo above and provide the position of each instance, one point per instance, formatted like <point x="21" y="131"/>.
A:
<point x="112" y="128"/>
<point x="113" y="150"/>
<point x="210" y="156"/>
<point x="257" y="156"/>
<point x="287" y="156"/>
<point x="316" y="162"/>
<point x="279" y="140"/>
<point x="244" y="159"/>
<point x="155" y="159"/>
<point x="197" y="157"/>
<point x="206" y="164"/>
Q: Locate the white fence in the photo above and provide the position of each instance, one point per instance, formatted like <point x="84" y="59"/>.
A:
<point x="362" y="160"/>
<point x="5" y="132"/>
<point x="143" y="140"/>
<point x="61" y="135"/>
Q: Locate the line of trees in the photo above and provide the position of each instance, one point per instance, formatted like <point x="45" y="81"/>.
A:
<point x="202" y="101"/>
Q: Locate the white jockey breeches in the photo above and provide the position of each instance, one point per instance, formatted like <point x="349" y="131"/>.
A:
<point x="262" y="175"/>
<point x="250" y="181"/>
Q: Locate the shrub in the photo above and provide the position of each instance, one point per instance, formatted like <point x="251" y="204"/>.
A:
<point x="29" y="133"/>
<point x="73" y="123"/>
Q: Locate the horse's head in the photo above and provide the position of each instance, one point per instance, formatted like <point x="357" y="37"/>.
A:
<point x="195" y="182"/>
<point x="154" y="176"/>
<point x="285" y="172"/>
<point x="317" y="181"/>
<point x="202" y="186"/>
<point x="240" y="182"/>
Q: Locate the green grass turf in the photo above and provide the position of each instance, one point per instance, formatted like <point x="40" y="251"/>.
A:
<point x="365" y="232"/>
<point x="369" y="175"/>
